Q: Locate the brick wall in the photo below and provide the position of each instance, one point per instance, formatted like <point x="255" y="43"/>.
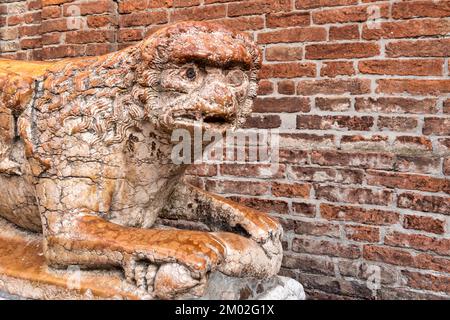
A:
<point x="360" y="92"/>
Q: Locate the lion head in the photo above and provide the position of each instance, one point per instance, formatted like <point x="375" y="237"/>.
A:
<point x="183" y="75"/>
<point x="198" y="72"/>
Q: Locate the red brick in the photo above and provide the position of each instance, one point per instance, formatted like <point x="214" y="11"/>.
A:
<point x="287" y="104"/>
<point x="263" y="121"/>
<point x="51" y="12"/>
<point x="295" y="190"/>
<point x="437" y="126"/>
<point x="446" y="106"/>
<point x="251" y="170"/>
<point x="426" y="203"/>
<point x="243" y="23"/>
<point x="62" y="51"/>
<point x="333" y="104"/>
<point x="306" y="140"/>
<point x="307" y="34"/>
<point x="288" y="70"/>
<point x="198" y="13"/>
<point x="342" y="50"/>
<point x="286" y="87"/>
<point x="364" y="142"/>
<point x="293" y="156"/>
<point x="435" y="9"/>
<point x="396" y="105"/>
<point x="402" y="67"/>
<point x="98" y="49"/>
<point x="202" y="170"/>
<point x="126" y="35"/>
<point x="316" y="228"/>
<point x="427" y="281"/>
<point x="423" y="223"/>
<point x="325" y="247"/>
<point x="46" y="3"/>
<point x="404" y="258"/>
<point x="419" y="242"/>
<point x="362" y="233"/>
<point x="320" y="174"/>
<point x="31" y="30"/>
<point x="284" y="53"/>
<point x="373" y="160"/>
<point x="51" y="38"/>
<point x="92" y="7"/>
<point x="333" y="86"/>
<point x="337" y="68"/>
<point x="143" y="18"/>
<point x="412" y="86"/>
<point x="264" y="205"/>
<point x="319" y="122"/>
<point x="347" y="32"/>
<point x="89" y="36"/>
<point x="30" y="43"/>
<point x="413" y="144"/>
<point x="407" y="29"/>
<point x="348" y="14"/>
<point x="101" y="21"/>
<point x="419" y="48"/>
<point x="185" y="3"/>
<point x="239" y="187"/>
<point x="308" y="264"/>
<point x="252" y="7"/>
<point x="265" y="87"/>
<point x="358" y="214"/>
<point x="397" y="123"/>
<point x="129" y="6"/>
<point x="303" y="209"/>
<point x="446" y="167"/>
<point x="311" y="4"/>
<point x="291" y="19"/>
<point x="419" y="164"/>
<point x="354" y="195"/>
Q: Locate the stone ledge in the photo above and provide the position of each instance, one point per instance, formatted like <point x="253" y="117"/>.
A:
<point x="24" y="274"/>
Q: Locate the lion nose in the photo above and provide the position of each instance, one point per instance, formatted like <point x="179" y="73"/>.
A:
<point x="221" y="100"/>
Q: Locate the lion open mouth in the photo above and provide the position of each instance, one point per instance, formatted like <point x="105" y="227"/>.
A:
<point x="219" y="120"/>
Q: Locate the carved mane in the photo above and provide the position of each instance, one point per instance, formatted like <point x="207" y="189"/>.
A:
<point x="120" y="90"/>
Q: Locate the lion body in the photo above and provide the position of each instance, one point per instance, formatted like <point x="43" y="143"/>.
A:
<point x="78" y="132"/>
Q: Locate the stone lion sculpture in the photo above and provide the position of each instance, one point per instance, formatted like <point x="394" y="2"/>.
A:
<point x="85" y="159"/>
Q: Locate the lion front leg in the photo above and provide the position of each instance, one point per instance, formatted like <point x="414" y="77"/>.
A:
<point x="166" y="263"/>
<point x="257" y="252"/>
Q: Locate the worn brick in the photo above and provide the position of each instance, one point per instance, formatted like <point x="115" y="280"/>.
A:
<point x="333" y="104"/>
<point x="397" y="123"/>
<point x="413" y="86"/>
<point x="333" y="86"/>
<point x="342" y="50"/>
<point x="337" y="68"/>
<point x="354" y="195"/>
<point x="426" y="203"/>
<point x="419" y="48"/>
<point x="423" y="223"/>
<point x="288" y="70"/>
<point x="286" y="104"/>
<point x="402" y="67"/>
<point x="358" y="214"/>
<point x="396" y="105"/>
<point x="284" y="53"/>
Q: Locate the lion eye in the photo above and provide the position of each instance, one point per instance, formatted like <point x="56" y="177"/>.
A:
<point x="191" y="74"/>
<point x="236" y="77"/>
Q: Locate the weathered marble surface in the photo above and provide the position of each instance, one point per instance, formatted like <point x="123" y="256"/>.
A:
<point x="85" y="159"/>
<point x="24" y="272"/>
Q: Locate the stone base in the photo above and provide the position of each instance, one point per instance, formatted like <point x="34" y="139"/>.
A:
<point x="25" y="274"/>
